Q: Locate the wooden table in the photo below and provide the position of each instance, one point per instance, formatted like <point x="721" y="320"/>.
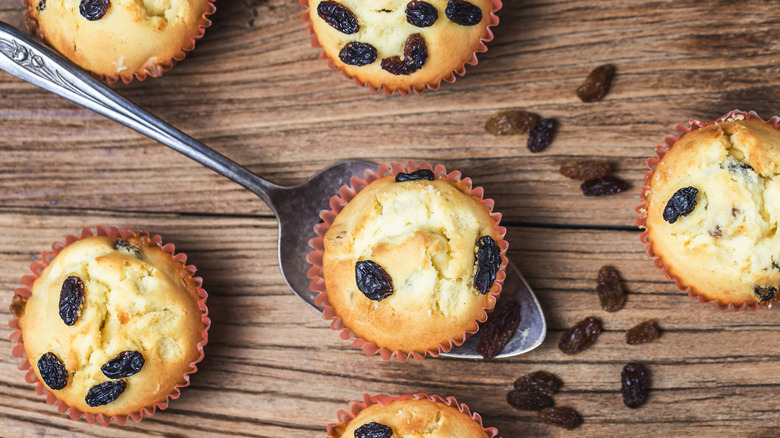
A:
<point x="255" y="90"/>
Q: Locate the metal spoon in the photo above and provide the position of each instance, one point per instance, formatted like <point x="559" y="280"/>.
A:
<point x="296" y="208"/>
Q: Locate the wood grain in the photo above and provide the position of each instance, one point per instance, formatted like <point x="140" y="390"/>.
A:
<point x="255" y="90"/>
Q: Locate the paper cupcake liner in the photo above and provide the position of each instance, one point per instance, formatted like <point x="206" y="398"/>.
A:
<point x="23" y="293"/>
<point x="338" y="202"/>
<point x="449" y="77"/>
<point x="154" y="71"/>
<point x="354" y="407"/>
<point x="652" y="162"/>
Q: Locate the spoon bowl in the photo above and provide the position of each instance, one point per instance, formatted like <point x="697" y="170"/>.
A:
<point x="296" y="208"/>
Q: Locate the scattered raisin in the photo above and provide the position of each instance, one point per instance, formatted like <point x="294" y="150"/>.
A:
<point x="52" y="371"/>
<point x="357" y="53"/>
<point x="463" y="13"/>
<point x="415" y="56"/>
<point x="18" y="303"/>
<point x="94" y="9"/>
<point x="740" y="167"/>
<point x="608" y="185"/>
<point x="585" y="170"/>
<point x="681" y="203"/>
<point x="417" y="174"/>
<point x="373" y="280"/>
<point x="539" y="381"/>
<point x="765" y="293"/>
<point x="498" y="329"/>
<point x="71" y="299"/>
<point x="104" y="393"/>
<point x="564" y="417"/>
<point x="642" y="333"/>
<point x="528" y="400"/>
<point x="581" y="336"/>
<point x="634" y="382"/>
<point x="41" y="6"/>
<point x="610" y="292"/>
<point x="338" y="16"/>
<point x="125" y="364"/>
<point x="421" y="14"/>
<point x="541" y="135"/>
<point x="511" y="122"/>
<point x="374" y="430"/>
<point x="596" y="84"/>
<point x="488" y="261"/>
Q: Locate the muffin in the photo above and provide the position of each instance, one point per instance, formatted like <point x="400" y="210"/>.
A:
<point x="400" y="44"/>
<point x="409" y="416"/>
<point x="114" y="324"/>
<point x="712" y="211"/>
<point x="414" y="261"/>
<point x="120" y="38"/>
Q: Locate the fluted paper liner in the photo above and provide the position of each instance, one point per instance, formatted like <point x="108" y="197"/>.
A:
<point x="338" y="202"/>
<point x="354" y="407"/>
<point x="25" y="292"/>
<point x="155" y="70"/>
<point x="641" y="222"/>
<point x="447" y="77"/>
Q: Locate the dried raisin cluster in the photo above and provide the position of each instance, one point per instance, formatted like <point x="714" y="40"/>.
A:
<point x="534" y="392"/>
<point x="498" y="330"/>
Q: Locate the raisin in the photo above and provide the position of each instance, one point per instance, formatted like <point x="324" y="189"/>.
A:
<point x="539" y="381"/>
<point x="338" y="16"/>
<point x="529" y="400"/>
<point x="608" y="185"/>
<point x="124" y="245"/>
<point x="125" y="364"/>
<point x="596" y="84"/>
<point x="740" y="167"/>
<point x="581" y="336"/>
<point x="463" y="13"/>
<point x="541" y="135"/>
<point x="421" y="14"/>
<point x="488" y="262"/>
<point x="52" y="371"/>
<point x="610" y="292"/>
<point x="415" y="56"/>
<point x="104" y="393"/>
<point x="373" y="280"/>
<point x="417" y="174"/>
<point x="357" y="53"/>
<point x="71" y="299"/>
<point x="564" y="417"/>
<point x="374" y="430"/>
<point x="681" y="203"/>
<point x="634" y="383"/>
<point x="642" y="333"/>
<point x="94" y="9"/>
<point x="18" y="303"/>
<point x="511" y="122"/>
<point x="41" y="6"/>
<point x="765" y="293"/>
<point x="498" y="329"/>
<point x="585" y="170"/>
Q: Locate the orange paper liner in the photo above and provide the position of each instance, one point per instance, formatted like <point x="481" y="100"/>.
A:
<point x="154" y="71"/>
<point x="641" y="222"/>
<point x="26" y="291"/>
<point x="450" y="77"/>
<point x="338" y="202"/>
<point x="354" y="407"/>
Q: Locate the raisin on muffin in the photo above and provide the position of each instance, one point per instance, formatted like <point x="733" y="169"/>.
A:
<point x="712" y="211"/>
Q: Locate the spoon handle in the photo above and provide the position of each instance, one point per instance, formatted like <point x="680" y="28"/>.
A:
<point x="31" y="61"/>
